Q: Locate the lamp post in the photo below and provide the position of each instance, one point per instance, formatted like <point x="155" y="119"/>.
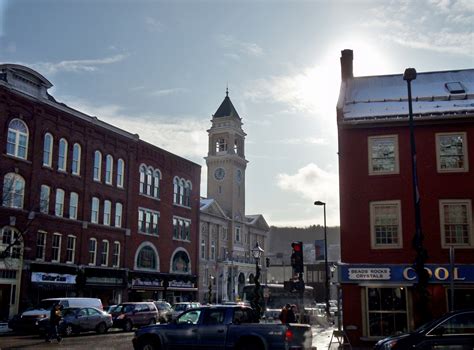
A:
<point x="326" y="274"/>
<point x="209" y="297"/>
<point x="257" y="253"/>
<point x="417" y="243"/>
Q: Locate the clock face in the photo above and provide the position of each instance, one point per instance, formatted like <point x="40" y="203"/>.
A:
<point x="238" y="175"/>
<point x="219" y="173"/>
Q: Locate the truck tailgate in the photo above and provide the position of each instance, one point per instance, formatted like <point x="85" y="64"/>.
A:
<point x="302" y="336"/>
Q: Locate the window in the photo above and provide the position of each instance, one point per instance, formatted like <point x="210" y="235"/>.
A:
<point x="92" y="251"/>
<point x="48" y="150"/>
<point x="95" y="210"/>
<point x="387" y="311"/>
<point x="116" y="255"/>
<point x="104" y="257"/>
<point x="118" y="215"/>
<point x="120" y="172"/>
<point x="73" y="203"/>
<point x="187" y="194"/>
<point x="10" y="242"/>
<point x="147" y="258"/>
<point x="181" y="192"/>
<point x="237" y="234"/>
<point x="181" y="262"/>
<point x="13" y="190"/>
<point x="456" y="223"/>
<point x="203" y="249"/>
<point x="386" y="228"/>
<point x="97" y="165"/>
<point x="70" y="249"/>
<point x="149" y="181"/>
<point x="175" y="190"/>
<point x="148" y="221"/>
<point x="59" y="207"/>
<point x="221" y="145"/>
<point x="76" y="159"/>
<point x="17" y="140"/>
<point x="451" y="151"/>
<point x="40" y="245"/>
<point x="156" y="184"/>
<point x="62" y="155"/>
<point x="109" y="169"/>
<point x="383" y="155"/>
<point x="460" y="325"/>
<point x="56" y="248"/>
<point x="107" y="211"/>
<point x="213" y="250"/>
<point x="213" y="316"/>
<point x="44" y="199"/>
<point x="181" y="229"/>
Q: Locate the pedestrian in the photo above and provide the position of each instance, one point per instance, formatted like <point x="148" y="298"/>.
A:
<point x="291" y="314"/>
<point x="55" y="318"/>
<point x="284" y="313"/>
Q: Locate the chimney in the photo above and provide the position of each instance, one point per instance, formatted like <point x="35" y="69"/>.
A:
<point x="346" y="64"/>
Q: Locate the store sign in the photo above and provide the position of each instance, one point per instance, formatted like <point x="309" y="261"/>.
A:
<point x="42" y="277"/>
<point x="137" y="282"/>
<point x="369" y="274"/>
<point x="181" y="284"/>
<point x="104" y="280"/>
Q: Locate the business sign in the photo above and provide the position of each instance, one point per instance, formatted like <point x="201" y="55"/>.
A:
<point x="43" y="277"/>
<point x="405" y="273"/>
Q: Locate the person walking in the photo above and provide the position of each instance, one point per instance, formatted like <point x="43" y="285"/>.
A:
<point x="291" y="314"/>
<point x="54" y="321"/>
<point x="284" y="313"/>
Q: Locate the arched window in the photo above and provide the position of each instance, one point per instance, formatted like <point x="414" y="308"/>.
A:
<point x="142" y="178"/>
<point x="181" y="262"/>
<point x="13" y="190"/>
<point x="118" y="214"/>
<point x="48" y="149"/>
<point x="187" y="194"/>
<point x="109" y="169"/>
<point x="59" y="205"/>
<point x="17" y="141"/>
<point x="97" y="165"/>
<point x="156" y="184"/>
<point x="92" y="251"/>
<point x="11" y="242"/>
<point x="95" y="210"/>
<point x="149" y="180"/>
<point x="116" y="254"/>
<point x="120" y="172"/>
<point x="62" y="155"/>
<point x="176" y="190"/>
<point x="181" y="192"/>
<point x="76" y="159"/>
<point x="146" y="258"/>
<point x="44" y="199"/>
<point x="107" y="212"/>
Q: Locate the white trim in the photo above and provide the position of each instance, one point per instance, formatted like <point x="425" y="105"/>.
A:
<point x="465" y="155"/>
<point x="56" y="234"/>
<point x="89" y="252"/>
<point x="372" y="206"/>
<point x="106" y="253"/>
<point x="73" y="249"/>
<point x="181" y="249"/>
<point x="370" y="141"/>
<point x="468" y="204"/>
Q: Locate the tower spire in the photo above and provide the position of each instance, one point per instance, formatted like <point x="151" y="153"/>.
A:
<point x="227" y="90"/>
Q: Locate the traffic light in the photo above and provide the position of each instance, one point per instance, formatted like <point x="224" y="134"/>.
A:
<point x="297" y="257"/>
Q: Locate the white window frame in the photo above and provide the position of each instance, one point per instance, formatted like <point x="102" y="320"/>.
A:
<point x="107" y="212"/>
<point x="116" y="255"/>
<point x="13" y="191"/>
<point x="56" y="249"/>
<point x="92" y="253"/>
<point x="371" y="141"/>
<point x="76" y="159"/>
<point x="95" y="209"/>
<point x="62" y="154"/>
<point x="104" y="252"/>
<point x="48" y="150"/>
<point x="97" y="169"/>
<point x="150" y="219"/>
<point x="118" y="214"/>
<point x="109" y="169"/>
<point x="45" y="195"/>
<point x="70" y="251"/>
<point x="17" y="134"/>
<point x="373" y="206"/>
<point x="120" y="172"/>
<point x="41" y="244"/>
<point x="468" y="204"/>
<point x="59" y="202"/>
<point x="465" y="167"/>
<point x="73" y="205"/>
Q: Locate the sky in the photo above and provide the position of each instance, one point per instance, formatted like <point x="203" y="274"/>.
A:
<point x="161" y="68"/>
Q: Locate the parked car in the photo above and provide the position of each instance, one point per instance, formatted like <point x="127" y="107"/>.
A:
<point x="134" y="314"/>
<point x="77" y="320"/>
<point x="109" y="308"/>
<point x="454" y="330"/>
<point x="178" y="308"/>
<point x="28" y="321"/>
<point x="222" y="327"/>
<point x="164" y="310"/>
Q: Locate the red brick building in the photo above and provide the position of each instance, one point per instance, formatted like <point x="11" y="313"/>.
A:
<point x="99" y="212"/>
<point x="376" y="196"/>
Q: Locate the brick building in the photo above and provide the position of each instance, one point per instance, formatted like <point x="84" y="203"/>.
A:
<point x="376" y="196"/>
<point x="99" y="212"/>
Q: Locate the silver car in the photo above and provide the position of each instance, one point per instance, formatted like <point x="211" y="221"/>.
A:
<point x="178" y="308"/>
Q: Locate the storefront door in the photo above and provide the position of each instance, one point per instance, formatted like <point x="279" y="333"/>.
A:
<point x="5" y="290"/>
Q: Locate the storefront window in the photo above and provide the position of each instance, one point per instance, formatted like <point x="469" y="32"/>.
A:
<point x="387" y="311"/>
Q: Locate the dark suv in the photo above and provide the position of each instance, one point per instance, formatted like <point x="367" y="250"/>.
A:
<point x="133" y="314"/>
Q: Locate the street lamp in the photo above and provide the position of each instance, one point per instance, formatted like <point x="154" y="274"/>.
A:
<point x="326" y="274"/>
<point x="257" y="253"/>
<point x="209" y="297"/>
<point x="421" y="253"/>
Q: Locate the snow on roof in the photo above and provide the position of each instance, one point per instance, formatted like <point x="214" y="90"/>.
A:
<point x="387" y="96"/>
<point x="205" y="202"/>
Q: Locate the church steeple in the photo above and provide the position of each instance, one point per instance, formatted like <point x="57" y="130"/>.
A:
<point x="226" y="109"/>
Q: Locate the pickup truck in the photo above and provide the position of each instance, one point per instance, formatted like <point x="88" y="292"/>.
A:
<point x="222" y="327"/>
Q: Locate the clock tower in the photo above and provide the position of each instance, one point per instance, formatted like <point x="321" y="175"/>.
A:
<point x="226" y="161"/>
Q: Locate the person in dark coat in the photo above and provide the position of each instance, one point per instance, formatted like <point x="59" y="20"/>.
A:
<point x="291" y="314"/>
<point x="54" y="320"/>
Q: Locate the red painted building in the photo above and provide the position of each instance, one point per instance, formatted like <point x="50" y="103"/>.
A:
<point x="376" y="196"/>
<point x="98" y="212"/>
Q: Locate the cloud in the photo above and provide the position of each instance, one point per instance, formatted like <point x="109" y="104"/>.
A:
<point x="313" y="183"/>
<point x="185" y="136"/>
<point x="300" y="141"/>
<point x="91" y="65"/>
<point x="238" y="47"/>
<point x="165" y="92"/>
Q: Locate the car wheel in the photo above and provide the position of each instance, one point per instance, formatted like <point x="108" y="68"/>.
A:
<point x="128" y="326"/>
<point x="68" y="330"/>
<point x="101" y="328"/>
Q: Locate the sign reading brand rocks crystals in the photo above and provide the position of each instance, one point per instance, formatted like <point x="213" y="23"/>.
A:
<point x="369" y="274"/>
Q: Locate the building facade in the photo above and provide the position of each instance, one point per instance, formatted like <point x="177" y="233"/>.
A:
<point x="376" y="196"/>
<point x="227" y="234"/>
<point x="88" y="209"/>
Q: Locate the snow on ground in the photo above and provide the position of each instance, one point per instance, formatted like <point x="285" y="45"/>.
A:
<point x="322" y="336"/>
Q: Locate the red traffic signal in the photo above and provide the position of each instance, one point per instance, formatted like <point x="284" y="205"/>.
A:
<point x="297" y="246"/>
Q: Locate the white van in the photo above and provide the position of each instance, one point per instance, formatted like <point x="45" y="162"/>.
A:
<point x="29" y="319"/>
